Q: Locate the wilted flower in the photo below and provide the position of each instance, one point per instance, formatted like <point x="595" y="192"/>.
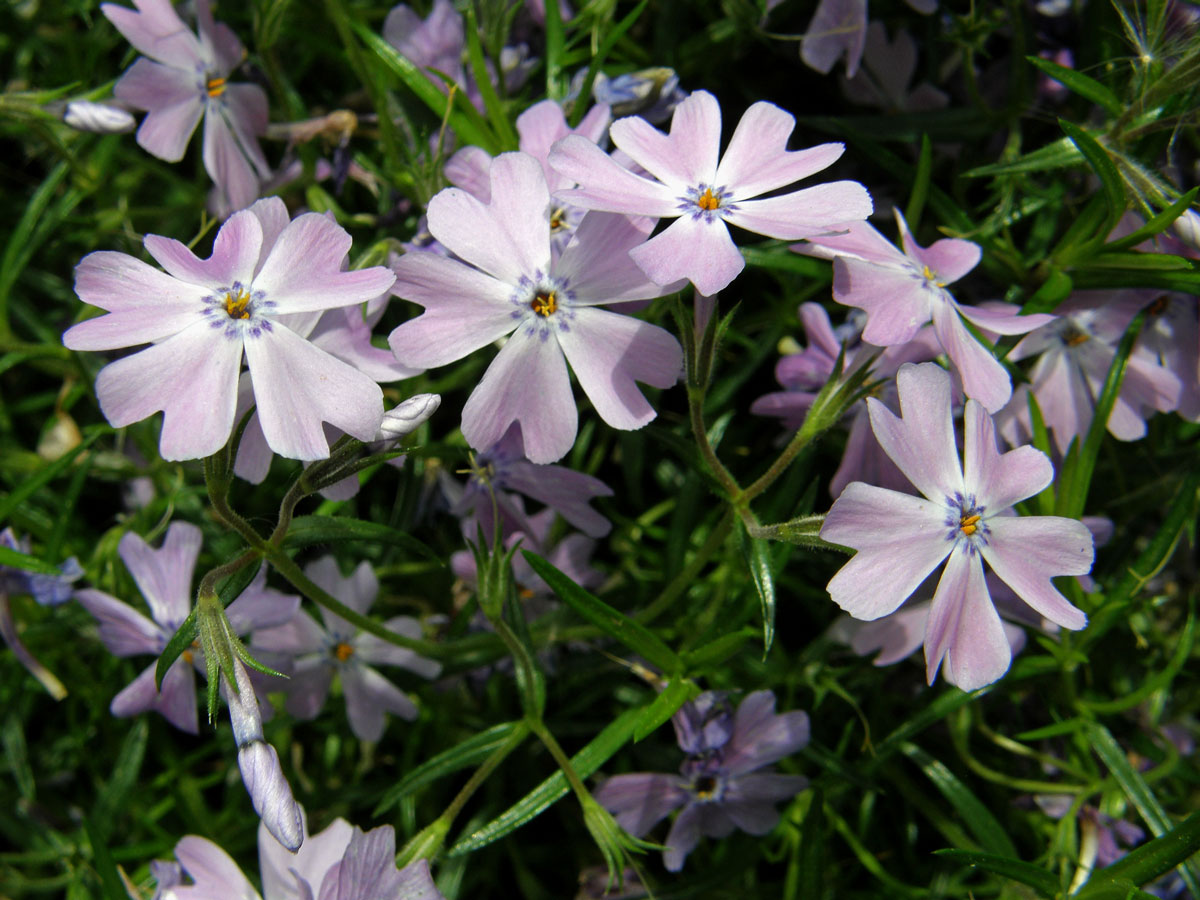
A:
<point x="515" y="280"/>
<point x="186" y="78"/>
<point x="257" y="293"/>
<point x="702" y="190"/>
<point x="340" y="647"/>
<point x="901" y="539"/>
<point x="719" y="786"/>
<point x="340" y="863"/>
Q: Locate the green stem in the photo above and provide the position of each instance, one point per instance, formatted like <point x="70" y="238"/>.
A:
<point x="485" y="770"/>
<point x="560" y="758"/>
<point x="687" y="575"/>
<point x="700" y="433"/>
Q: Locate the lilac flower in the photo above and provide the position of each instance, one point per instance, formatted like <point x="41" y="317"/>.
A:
<point x="164" y="577"/>
<point x="516" y="281"/>
<point x="340" y="647"/>
<point x="902" y="291"/>
<point x="703" y="193"/>
<point x="887" y="71"/>
<point x="650" y="93"/>
<point x="503" y="468"/>
<point x="340" y="863"/>
<point x="803" y="374"/>
<point x="538" y="128"/>
<point x="48" y="590"/>
<point x="265" y="275"/>
<point x="1074" y="354"/>
<point x="720" y="786"/>
<point x="901" y="539"/>
<point x="184" y="79"/>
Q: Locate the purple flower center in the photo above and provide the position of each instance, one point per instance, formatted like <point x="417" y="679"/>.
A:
<point x="965" y="521"/>
<point x="544" y="299"/>
<point x="240" y="310"/>
<point x="707" y="201"/>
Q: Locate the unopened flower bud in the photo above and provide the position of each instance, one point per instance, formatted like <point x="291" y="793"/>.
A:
<point x="99" y="118"/>
<point x="1187" y="228"/>
<point x="407" y="417"/>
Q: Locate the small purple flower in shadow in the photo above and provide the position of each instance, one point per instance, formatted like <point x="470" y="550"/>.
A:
<point x="901" y="539"/>
<point x="201" y="316"/>
<point x="517" y="285"/>
<point x="703" y="190"/>
<point x="902" y="291"/>
<point x="719" y="786"/>
<point x="184" y="79"/>
<point x="164" y="577"/>
<point x="48" y="590"/>
<point x="340" y="647"/>
<point x="340" y="863"/>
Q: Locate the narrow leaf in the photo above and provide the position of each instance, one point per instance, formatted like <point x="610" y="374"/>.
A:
<point x="1102" y="164"/>
<point x="1151" y="860"/>
<point x="1083" y="85"/>
<point x="180" y="641"/>
<point x="1157" y="224"/>
<point x="616" y="624"/>
<point x="15" y="559"/>
<point x="677" y="692"/>
<point x="1013" y="869"/>
<point x="306" y="530"/>
<point x="757" y="554"/>
<point x="49" y="472"/>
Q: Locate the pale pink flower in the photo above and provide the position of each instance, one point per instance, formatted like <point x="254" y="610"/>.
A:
<point x="703" y="190"/>
<point x="511" y="282"/>
<point x="964" y="521"/>
<point x="184" y="79"/>
<point x="902" y="291"/>
<point x="266" y="276"/>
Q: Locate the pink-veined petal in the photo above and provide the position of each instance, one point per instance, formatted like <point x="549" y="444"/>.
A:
<point x="378" y="652"/>
<point x="757" y="159"/>
<point x="964" y="628"/>
<point x="857" y="239"/>
<point x="298" y="386"/>
<point x="691" y="248"/>
<point x="235" y="254"/>
<point x="609" y="353"/>
<point x="156" y="30"/>
<point x="999" y="320"/>
<point x="216" y="875"/>
<point x="998" y="481"/>
<point x="606" y="185"/>
<point x="639" y="801"/>
<point x="303" y="271"/>
<point x="469" y="169"/>
<point x="176" y="702"/>
<point x="344" y="333"/>
<point x="921" y="442"/>
<point x="984" y="378"/>
<point x="173" y="102"/>
<point x="900" y="539"/>
<point x="683" y="837"/>
<point x="1027" y="551"/>
<point x="527" y="382"/>
<point x="317" y="855"/>
<point x="191" y="377"/>
<point x="247" y="116"/>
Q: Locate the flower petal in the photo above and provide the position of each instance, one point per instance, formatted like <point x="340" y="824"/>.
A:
<point x="368" y="696"/>
<point x="983" y="377"/>
<point x="234" y="256"/>
<point x="897" y="303"/>
<point x="174" y="105"/>
<point x="216" y="875"/>
<point x="640" y="800"/>
<point x="598" y="266"/>
<point x="921" y="443"/>
<point x="610" y="353"/>
<point x="964" y="628"/>
<point x="527" y="382"/>
<point x="999" y="481"/>
<point x="691" y="248"/>
<point x="606" y="185"/>
<point x="226" y="164"/>
<point x="298" y="386"/>
<point x="900" y="540"/>
<point x="683" y="837"/>
<point x="303" y="271"/>
<point x="804" y="213"/>
<point x="176" y="702"/>
<point x="837" y="27"/>
<point x="1027" y="551"/>
<point x="375" y="651"/>
<point x="192" y="377"/>
<point x="123" y="630"/>
<point x="760" y="737"/>
<point x="318" y="854"/>
<point x="164" y="576"/>
<point x="757" y="159"/>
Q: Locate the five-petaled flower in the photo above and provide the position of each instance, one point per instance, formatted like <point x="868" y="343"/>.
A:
<point x="901" y="539"/>
<point x="260" y="292"/>
<point x="703" y="193"/>
<point x="186" y="78"/>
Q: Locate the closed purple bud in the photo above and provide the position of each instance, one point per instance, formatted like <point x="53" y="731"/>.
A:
<point x="98" y="118"/>
<point x="407" y="417"/>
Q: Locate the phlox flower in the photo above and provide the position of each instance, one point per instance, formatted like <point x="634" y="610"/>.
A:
<point x="839" y="28"/>
<point x="266" y="275"/>
<point x="339" y="647"/>
<point x="703" y="191"/>
<point x="1073" y="355"/>
<point x="720" y="786"/>
<point x="902" y="291"/>
<point x="48" y="590"/>
<point x="964" y="521"/>
<point x="184" y="79"/>
<point x="511" y="281"/>
<point x="164" y="577"/>
<point x="340" y="863"/>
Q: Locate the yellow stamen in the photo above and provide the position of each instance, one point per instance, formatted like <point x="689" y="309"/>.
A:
<point x="1076" y="339"/>
<point x="544" y="303"/>
<point x="705" y="787"/>
<point x="931" y="275"/>
<point x="343" y="651"/>
<point x="558" y="220"/>
<point x="237" y="304"/>
<point x="215" y="87"/>
<point x="707" y="201"/>
<point x="187" y="656"/>
<point x="969" y="524"/>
